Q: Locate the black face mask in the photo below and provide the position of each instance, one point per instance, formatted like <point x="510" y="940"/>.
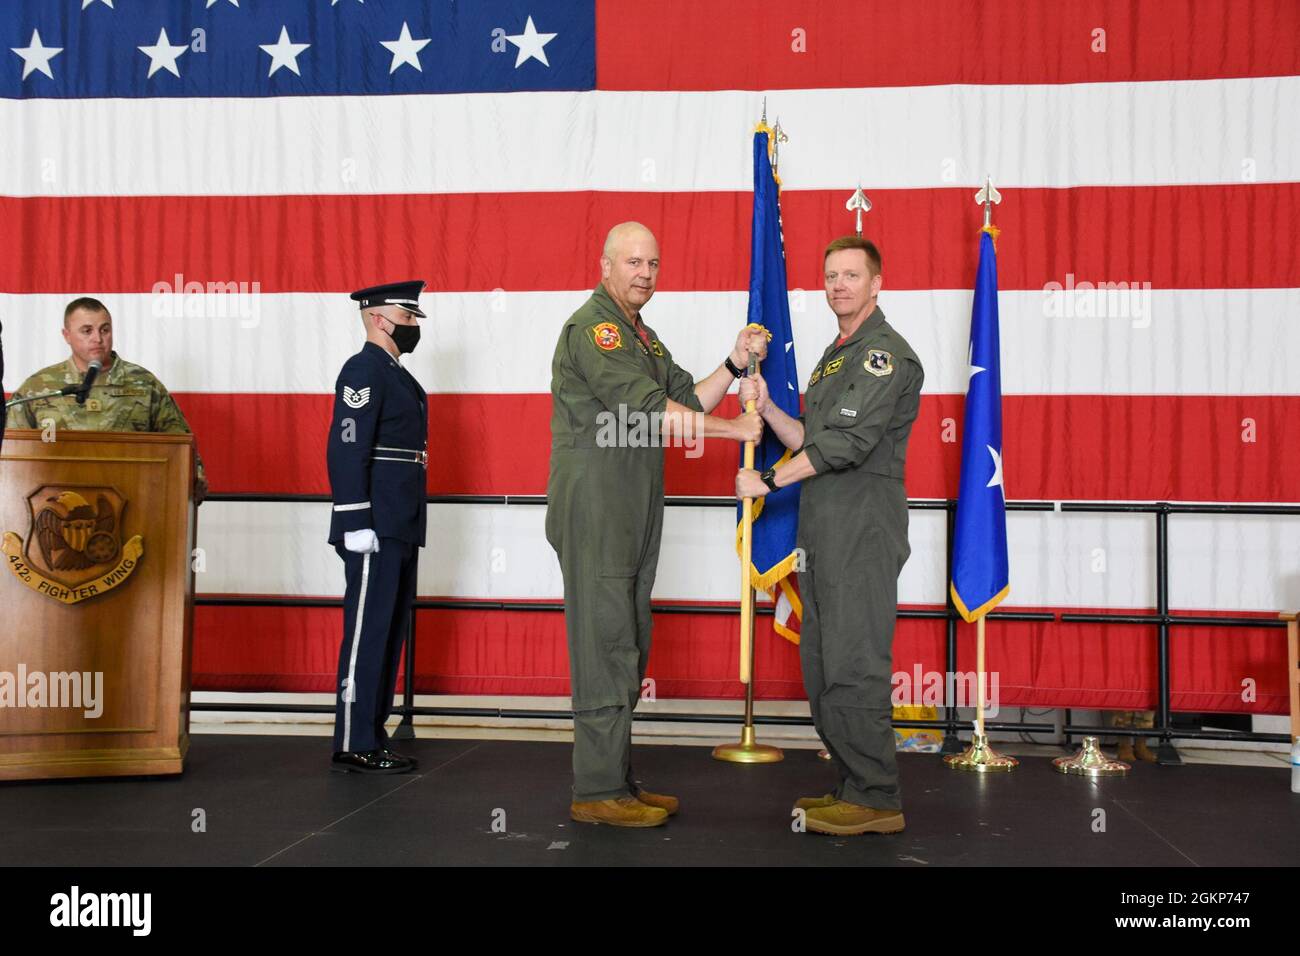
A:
<point x="405" y="337"/>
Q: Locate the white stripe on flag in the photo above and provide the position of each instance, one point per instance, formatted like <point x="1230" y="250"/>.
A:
<point x="1094" y="134"/>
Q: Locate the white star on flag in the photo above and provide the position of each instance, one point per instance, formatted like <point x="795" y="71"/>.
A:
<point x="996" y="480"/>
<point x="335" y="3"/>
<point x="211" y="2"/>
<point x="405" y="49"/>
<point x="86" y="3"/>
<point x="162" y="55"/>
<point x="531" y="44"/>
<point x="36" y="57"/>
<point x="284" y="52"/>
<point x="974" y="369"/>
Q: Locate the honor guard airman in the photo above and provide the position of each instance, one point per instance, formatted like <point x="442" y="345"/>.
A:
<point x="617" y="398"/>
<point x="861" y="401"/>
<point x="121" y="397"/>
<point x="377" y="457"/>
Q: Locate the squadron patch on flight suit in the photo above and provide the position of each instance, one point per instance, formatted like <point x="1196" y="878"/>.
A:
<point x="606" y="336"/>
<point x="879" y="362"/>
<point x="816" y="376"/>
<point x="356" y="398"/>
<point x="833" y="367"/>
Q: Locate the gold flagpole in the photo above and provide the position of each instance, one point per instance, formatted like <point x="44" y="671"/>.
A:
<point x="748" y="750"/>
<point x="747" y="559"/>
<point x="979" y="756"/>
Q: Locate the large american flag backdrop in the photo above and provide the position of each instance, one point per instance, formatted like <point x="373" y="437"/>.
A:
<point x="309" y="147"/>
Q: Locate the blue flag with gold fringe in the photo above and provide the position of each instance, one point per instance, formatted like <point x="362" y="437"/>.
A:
<point x="776" y="516"/>
<point x="980" y="568"/>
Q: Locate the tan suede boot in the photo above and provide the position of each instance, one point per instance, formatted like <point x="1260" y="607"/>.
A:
<point x="620" y="812"/>
<point x="808" y="803"/>
<point x="661" y="800"/>
<point x="849" y="819"/>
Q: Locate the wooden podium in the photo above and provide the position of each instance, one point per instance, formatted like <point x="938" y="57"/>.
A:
<point x="96" y="603"/>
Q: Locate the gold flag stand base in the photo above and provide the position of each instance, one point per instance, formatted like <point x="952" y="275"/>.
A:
<point x="1089" y="761"/>
<point x="748" y="750"/>
<point x="979" y="757"/>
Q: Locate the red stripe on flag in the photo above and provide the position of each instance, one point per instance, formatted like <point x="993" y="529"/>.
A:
<point x="803" y="44"/>
<point x="1165" y="235"/>
<point x="1102" y="447"/>
<point x="475" y="651"/>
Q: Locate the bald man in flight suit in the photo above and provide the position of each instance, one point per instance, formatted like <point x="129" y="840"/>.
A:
<point x="605" y="505"/>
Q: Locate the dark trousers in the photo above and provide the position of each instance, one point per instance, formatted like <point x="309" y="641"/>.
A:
<point x="376" y="605"/>
<point x="608" y="623"/>
<point x="608" y="558"/>
<point x="846" y="652"/>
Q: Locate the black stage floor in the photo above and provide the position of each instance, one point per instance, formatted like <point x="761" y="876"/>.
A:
<point x="271" y="801"/>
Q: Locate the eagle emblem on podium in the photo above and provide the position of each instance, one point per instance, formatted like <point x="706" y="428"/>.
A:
<point x="73" y="536"/>
<point x="74" y="549"/>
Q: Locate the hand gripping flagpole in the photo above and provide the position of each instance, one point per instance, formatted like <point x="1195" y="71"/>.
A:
<point x="979" y="757"/>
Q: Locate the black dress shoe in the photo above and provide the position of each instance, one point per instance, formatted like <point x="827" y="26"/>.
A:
<point x="386" y="752"/>
<point x="414" y="762"/>
<point x="369" y="761"/>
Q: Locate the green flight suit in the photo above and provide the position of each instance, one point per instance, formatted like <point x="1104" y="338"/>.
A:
<point x="858" y="411"/>
<point x="604" y="518"/>
<point x="125" y="398"/>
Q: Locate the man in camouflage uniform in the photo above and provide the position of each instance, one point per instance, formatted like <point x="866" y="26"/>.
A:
<point x="605" y="507"/>
<point x="124" y="397"/>
<point x="851" y="443"/>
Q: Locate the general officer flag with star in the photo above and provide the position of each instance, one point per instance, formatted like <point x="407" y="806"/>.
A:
<point x="980" y="571"/>
<point x="776" y="516"/>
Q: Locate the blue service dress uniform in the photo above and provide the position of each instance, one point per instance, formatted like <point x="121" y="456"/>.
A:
<point x="377" y="458"/>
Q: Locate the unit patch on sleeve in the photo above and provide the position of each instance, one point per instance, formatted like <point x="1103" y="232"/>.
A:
<point x="606" y="336"/>
<point x="879" y="362"/>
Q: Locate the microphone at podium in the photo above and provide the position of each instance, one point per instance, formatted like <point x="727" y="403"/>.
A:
<point x="91" y="372"/>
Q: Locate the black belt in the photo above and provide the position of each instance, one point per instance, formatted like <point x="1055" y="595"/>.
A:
<point x="410" y="455"/>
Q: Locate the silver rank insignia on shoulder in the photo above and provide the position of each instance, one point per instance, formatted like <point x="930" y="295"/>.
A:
<point x="879" y="362"/>
<point x="356" y="398"/>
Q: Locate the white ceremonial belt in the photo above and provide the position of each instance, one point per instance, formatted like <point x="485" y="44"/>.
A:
<point x="418" y="456"/>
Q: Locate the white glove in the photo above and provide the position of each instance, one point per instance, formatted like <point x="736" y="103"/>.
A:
<point x="361" y="542"/>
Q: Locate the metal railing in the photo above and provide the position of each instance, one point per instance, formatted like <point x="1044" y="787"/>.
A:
<point x="1163" y="620"/>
